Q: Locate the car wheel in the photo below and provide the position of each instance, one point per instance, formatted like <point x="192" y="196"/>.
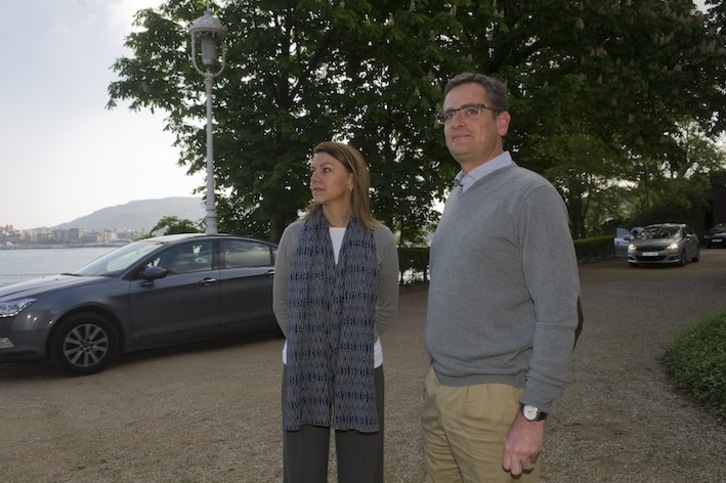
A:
<point x="697" y="256"/>
<point x="83" y="344"/>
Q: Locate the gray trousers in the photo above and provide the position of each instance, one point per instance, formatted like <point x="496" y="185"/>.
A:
<point x="359" y="455"/>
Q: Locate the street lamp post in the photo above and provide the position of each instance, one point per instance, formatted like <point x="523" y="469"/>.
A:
<point x="209" y="31"/>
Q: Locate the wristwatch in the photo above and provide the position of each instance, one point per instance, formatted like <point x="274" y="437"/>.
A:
<point x="532" y="413"/>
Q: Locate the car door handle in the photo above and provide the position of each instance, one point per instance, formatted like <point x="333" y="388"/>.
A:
<point x="208" y="281"/>
<point x="271" y="272"/>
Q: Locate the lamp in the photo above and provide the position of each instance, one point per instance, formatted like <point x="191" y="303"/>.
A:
<point x="209" y="31"/>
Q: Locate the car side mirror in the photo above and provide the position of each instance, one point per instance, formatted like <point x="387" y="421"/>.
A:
<point x="154" y="273"/>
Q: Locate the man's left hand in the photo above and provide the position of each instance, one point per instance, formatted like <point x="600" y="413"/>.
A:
<point x="523" y="445"/>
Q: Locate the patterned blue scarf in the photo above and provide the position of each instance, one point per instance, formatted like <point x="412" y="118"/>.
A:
<point x="331" y="316"/>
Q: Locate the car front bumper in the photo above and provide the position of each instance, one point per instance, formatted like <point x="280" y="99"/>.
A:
<point x="653" y="257"/>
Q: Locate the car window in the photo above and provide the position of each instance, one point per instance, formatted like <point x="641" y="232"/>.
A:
<point x="190" y="257"/>
<point x="115" y="262"/>
<point x="655" y="232"/>
<point x="621" y="232"/>
<point x="246" y="253"/>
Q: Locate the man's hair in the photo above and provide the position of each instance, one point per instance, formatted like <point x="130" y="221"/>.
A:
<point x="495" y="90"/>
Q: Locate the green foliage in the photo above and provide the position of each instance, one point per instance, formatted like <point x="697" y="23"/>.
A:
<point x="678" y="201"/>
<point x="414" y="262"/>
<point x="697" y="362"/>
<point x="594" y="248"/>
<point x="171" y="225"/>
<point x="601" y="93"/>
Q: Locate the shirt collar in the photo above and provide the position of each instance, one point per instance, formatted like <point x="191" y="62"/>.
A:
<point x="465" y="180"/>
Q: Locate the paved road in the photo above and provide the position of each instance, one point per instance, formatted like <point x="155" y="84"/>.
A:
<point x="211" y="413"/>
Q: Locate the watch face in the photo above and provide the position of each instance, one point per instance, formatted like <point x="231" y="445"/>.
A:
<point x="530" y="412"/>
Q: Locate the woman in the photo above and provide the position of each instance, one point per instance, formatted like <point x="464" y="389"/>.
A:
<point x="335" y="292"/>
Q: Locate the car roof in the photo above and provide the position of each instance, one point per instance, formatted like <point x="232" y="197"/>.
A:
<point x="666" y="225"/>
<point x="186" y="236"/>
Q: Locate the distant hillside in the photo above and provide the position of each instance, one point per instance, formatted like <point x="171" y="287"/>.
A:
<point x="142" y="214"/>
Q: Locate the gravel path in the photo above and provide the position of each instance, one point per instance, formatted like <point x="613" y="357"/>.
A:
<point x="211" y="413"/>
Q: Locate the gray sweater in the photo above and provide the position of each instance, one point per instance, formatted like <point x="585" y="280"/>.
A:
<point x="502" y="304"/>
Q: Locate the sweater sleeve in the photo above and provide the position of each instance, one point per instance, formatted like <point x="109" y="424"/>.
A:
<point x="285" y="251"/>
<point x="551" y="275"/>
<point x="387" y="298"/>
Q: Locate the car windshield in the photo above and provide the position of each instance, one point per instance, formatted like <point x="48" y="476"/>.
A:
<point x="720" y="228"/>
<point x="655" y="232"/>
<point x="114" y="263"/>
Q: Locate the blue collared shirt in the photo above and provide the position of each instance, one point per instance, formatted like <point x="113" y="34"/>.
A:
<point x="465" y="180"/>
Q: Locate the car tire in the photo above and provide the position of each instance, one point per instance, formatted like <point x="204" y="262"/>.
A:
<point x="697" y="256"/>
<point x="83" y="344"/>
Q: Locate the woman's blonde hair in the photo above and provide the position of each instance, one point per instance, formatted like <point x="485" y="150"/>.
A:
<point x="353" y="161"/>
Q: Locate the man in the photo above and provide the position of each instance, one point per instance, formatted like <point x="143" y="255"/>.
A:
<point x="502" y="303"/>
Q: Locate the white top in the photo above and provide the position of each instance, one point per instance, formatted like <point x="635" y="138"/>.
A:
<point x="336" y="235"/>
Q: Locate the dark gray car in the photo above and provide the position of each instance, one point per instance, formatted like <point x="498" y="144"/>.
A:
<point x="150" y="293"/>
<point x="716" y="236"/>
<point x="665" y="243"/>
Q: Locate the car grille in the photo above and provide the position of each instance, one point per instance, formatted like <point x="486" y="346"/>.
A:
<point x="650" y="248"/>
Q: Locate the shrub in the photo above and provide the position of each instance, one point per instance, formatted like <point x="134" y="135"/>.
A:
<point x="697" y="362"/>
<point x="595" y="248"/>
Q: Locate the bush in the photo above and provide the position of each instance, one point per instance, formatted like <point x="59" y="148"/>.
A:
<point x="414" y="261"/>
<point x="697" y="362"/>
<point x="595" y="248"/>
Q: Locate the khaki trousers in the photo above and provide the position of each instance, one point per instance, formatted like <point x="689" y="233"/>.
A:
<point x="464" y="432"/>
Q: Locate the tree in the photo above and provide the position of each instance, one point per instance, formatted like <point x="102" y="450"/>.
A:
<point x="622" y="76"/>
<point x="595" y="84"/>
<point x="288" y="86"/>
<point x="173" y="224"/>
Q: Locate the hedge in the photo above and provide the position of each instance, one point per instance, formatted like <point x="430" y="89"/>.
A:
<point x="414" y="261"/>
<point x="697" y="362"/>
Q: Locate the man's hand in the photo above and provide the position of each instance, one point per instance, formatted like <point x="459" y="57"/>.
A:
<point x="523" y="445"/>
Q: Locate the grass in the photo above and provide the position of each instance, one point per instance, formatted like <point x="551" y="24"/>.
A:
<point x="697" y="362"/>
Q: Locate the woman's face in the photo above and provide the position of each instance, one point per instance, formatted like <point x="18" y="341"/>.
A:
<point x="330" y="181"/>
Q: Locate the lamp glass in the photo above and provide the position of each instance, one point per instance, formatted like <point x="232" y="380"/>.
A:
<point x="209" y="50"/>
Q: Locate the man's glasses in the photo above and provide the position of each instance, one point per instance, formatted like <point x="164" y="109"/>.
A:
<point x="467" y="111"/>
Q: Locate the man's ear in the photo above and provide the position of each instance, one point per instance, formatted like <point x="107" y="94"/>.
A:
<point x="503" y="120"/>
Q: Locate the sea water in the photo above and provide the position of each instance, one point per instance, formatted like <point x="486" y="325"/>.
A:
<point x="48" y="260"/>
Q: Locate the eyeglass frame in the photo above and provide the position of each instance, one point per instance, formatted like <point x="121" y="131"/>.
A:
<point x="441" y="115"/>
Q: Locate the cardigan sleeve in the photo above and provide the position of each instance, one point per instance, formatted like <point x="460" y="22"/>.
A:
<point x="387" y="298"/>
<point x="285" y="251"/>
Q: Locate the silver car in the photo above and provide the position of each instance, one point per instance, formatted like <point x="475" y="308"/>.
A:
<point x="150" y="293"/>
<point x="665" y="243"/>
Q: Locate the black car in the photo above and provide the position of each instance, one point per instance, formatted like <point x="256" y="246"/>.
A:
<point x="150" y="293"/>
<point x="716" y="236"/>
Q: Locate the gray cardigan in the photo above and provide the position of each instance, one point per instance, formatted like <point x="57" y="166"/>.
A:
<point x="386" y="252"/>
<point x="502" y="304"/>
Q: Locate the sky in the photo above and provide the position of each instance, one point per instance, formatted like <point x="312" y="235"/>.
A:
<point x="64" y="155"/>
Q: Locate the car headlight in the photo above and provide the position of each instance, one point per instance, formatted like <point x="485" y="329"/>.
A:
<point x="672" y="246"/>
<point x="631" y="247"/>
<point x="14" y="307"/>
